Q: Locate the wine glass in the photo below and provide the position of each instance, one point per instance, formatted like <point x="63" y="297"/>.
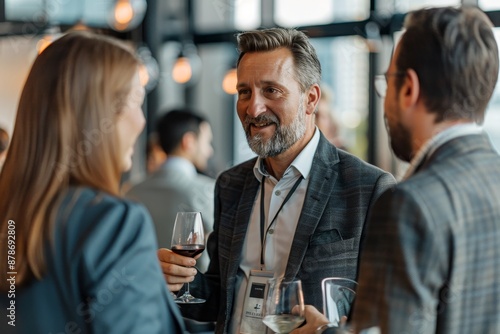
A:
<point x="284" y="305"/>
<point x="338" y="296"/>
<point x="188" y="240"/>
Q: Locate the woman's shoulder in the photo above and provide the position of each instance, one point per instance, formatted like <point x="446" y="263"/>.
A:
<point x="90" y="201"/>
<point x="86" y="211"/>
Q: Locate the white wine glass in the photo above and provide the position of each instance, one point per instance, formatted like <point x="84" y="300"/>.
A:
<point x="188" y="240"/>
<point x="284" y="305"/>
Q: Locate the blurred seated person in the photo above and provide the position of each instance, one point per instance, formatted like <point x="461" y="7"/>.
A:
<point x="85" y="259"/>
<point x="4" y="144"/>
<point x="325" y="119"/>
<point x="186" y="138"/>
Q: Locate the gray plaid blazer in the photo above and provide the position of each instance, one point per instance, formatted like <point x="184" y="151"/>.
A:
<point x="431" y="258"/>
<point x="326" y="243"/>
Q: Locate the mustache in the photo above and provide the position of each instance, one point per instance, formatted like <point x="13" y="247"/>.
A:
<point x="263" y="118"/>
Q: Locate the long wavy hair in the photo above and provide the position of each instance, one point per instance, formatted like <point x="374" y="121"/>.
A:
<point x="64" y="136"/>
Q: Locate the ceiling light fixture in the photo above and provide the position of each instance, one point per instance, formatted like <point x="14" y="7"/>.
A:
<point x="229" y="82"/>
<point x="187" y="66"/>
<point x="127" y="14"/>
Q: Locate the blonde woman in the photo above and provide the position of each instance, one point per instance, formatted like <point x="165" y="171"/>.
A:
<point x="83" y="260"/>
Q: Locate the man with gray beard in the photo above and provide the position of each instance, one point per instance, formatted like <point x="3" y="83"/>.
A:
<point x="297" y="210"/>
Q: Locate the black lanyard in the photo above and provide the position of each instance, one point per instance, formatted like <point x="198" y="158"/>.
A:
<point x="263" y="218"/>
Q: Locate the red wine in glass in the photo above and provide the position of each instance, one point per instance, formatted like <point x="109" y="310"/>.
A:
<point x="188" y="250"/>
<point x="188" y="240"/>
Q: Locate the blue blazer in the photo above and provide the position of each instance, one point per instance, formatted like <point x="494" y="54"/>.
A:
<point x="340" y="192"/>
<point x="102" y="274"/>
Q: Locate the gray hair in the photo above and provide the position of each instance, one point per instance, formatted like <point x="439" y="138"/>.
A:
<point x="455" y="55"/>
<point x="308" y="68"/>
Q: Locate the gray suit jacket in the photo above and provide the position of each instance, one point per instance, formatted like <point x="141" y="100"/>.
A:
<point x="431" y="261"/>
<point x="102" y="274"/>
<point x="326" y="242"/>
<point x="170" y="190"/>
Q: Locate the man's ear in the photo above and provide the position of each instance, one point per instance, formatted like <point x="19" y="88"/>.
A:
<point x="410" y="90"/>
<point x="188" y="141"/>
<point x="313" y="96"/>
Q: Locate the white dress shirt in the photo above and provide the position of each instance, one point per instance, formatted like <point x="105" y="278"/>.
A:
<point x="278" y="243"/>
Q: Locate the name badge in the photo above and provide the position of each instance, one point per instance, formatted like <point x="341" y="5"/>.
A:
<point x="255" y="294"/>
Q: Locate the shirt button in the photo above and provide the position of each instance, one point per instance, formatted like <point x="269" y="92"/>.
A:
<point x="277" y="193"/>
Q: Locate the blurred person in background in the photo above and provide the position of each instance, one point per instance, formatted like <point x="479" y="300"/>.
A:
<point x="186" y="138"/>
<point x="83" y="259"/>
<point x="325" y="119"/>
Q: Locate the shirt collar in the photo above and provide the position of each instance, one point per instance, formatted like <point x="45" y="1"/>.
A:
<point x="435" y="142"/>
<point x="301" y="164"/>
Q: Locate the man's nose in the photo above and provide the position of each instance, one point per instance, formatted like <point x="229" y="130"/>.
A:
<point x="256" y="105"/>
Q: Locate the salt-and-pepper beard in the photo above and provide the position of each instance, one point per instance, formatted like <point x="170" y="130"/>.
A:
<point x="284" y="136"/>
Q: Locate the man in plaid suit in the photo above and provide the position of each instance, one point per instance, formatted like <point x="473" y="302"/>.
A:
<point x="431" y="261"/>
<point x="298" y="209"/>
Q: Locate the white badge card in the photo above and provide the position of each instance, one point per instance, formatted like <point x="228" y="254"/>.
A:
<point x="255" y="295"/>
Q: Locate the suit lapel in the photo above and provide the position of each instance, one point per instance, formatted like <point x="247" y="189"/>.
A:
<point x="241" y="221"/>
<point x="322" y="178"/>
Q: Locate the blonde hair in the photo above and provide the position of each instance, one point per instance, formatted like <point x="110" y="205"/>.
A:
<point x="64" y="136"/>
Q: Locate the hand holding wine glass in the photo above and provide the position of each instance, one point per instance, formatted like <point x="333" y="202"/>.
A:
<point x="284" y="305"/>
<point x="188" y="240"/>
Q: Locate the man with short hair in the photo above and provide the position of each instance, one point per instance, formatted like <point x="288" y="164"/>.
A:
<point x="297" y="210"/>
<point x="431" y="261"/>
<point x="186" y="138"/>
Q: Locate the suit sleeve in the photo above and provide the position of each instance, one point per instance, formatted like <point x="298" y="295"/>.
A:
<point x="383" y="183"/>
<point x="403" y="263"/>
<point x="121" y="274"/>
